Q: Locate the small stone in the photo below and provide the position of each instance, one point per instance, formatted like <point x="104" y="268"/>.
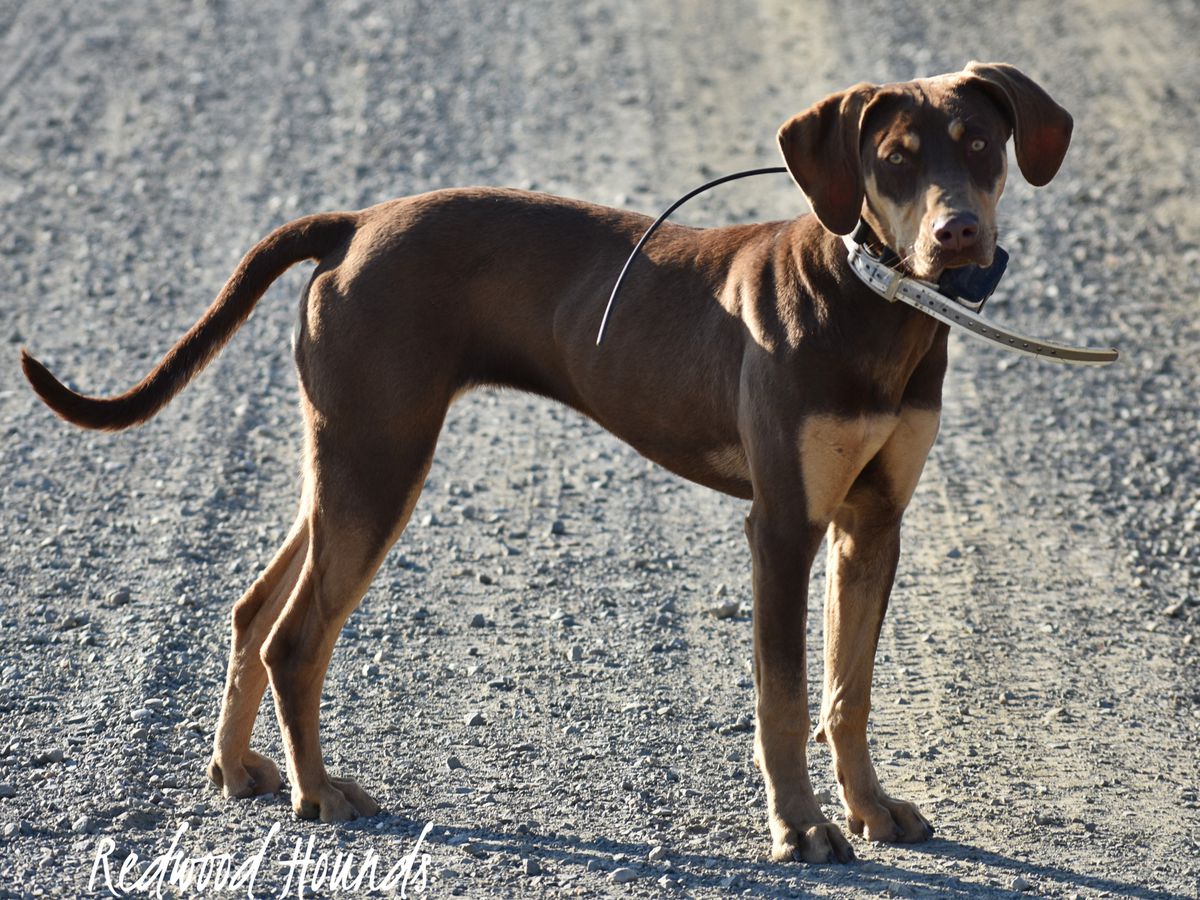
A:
<point x="484" y="578"/>
<point x="453" y="762"/>
<point x="370" y="670"/>
<point x="12" y="829"/>
<point x="83" y="825"/>
<point x="724" y="610"/>
<point x="622" y="875"/>
<point x="478" y="620"/>
<point x="141" y="715"/>
<point x="1174" y="611"/>
<point x="1058" y="713"/>
<point x="575" y="654"/>
<point x="530" y="867"/>
<point x="475" y="718"/>
<point x="1020" y="884"/>
<point x="119" y="597"/>
<point x="7" y="790"/>
<point x="49" y="756"/>
<point x="557" y="527"/>
<point x="138" y="820"/>
<point x="955" y="553"/>
<point x="658" y="853"/>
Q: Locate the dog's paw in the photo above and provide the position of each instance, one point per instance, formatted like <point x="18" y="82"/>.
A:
<point x="338" y="800"/>
<point x="889" y="821"/>
<point x="822" y="842"/>
<point x="249" y="776"/>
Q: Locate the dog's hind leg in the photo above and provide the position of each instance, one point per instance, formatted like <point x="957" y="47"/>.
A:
<point x="235" y="768"/>
<point x="366" y="472"/>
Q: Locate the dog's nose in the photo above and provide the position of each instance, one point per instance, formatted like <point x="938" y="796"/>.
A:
<point x="956" y="231"/>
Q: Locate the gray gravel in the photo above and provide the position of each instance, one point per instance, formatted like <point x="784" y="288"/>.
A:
<point x="1037" y="687"/>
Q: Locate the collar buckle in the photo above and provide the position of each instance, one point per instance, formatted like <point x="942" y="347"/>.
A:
<point x="895" y="279"/>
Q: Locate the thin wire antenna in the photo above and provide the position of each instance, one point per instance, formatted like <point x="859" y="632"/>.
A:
<point x="612" y="298"/>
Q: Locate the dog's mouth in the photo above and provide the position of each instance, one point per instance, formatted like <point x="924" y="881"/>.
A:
<point x="933" y="262"/>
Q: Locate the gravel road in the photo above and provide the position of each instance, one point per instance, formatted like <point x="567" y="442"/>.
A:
<point x="1037" y="688"/>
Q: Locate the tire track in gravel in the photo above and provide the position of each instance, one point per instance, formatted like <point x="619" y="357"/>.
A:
<point x="1025" y="610"/>
<point x="25" y="48"/>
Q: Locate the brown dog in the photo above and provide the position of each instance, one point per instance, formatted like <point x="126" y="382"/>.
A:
<point x="749" y="359"/>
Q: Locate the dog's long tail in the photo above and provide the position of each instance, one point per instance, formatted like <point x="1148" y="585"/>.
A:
<point x="311" y="237"/>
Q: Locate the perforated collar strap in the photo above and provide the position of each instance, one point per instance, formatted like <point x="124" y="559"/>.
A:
<point x="893" y="285"/>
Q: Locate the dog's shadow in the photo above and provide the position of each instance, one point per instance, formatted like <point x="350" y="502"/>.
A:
<point x="559" y="856"/>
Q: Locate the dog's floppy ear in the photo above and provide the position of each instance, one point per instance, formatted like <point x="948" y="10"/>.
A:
<point x="821" y="149"/>
<point x="1041" y="128"/>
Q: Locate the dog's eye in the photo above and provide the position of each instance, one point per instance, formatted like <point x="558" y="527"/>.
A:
<point x="896" y="158"/>
<point x="976" y="145"/>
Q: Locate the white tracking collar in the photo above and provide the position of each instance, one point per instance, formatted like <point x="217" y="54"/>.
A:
<point x="893" y="285"/>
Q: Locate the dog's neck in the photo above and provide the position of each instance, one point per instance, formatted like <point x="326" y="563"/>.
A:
<point x="869" y="238"/>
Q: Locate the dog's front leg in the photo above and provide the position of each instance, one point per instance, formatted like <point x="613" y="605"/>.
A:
<point x="864" y="547"/>
<point x="783" y="551"/>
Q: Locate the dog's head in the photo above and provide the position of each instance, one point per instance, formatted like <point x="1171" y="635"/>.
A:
<point x="924" y="161"/>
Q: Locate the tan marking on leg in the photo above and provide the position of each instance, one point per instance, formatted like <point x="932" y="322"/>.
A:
<point x="903" y="456"/>
<point x="864" y="545"/>
<point x="296" y="654"/>
<point x="833" y="450"/>
<point x="234" y="767"/>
